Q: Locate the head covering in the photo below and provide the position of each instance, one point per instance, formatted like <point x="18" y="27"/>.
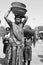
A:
<point x="18" y="4"/>
<point x="18" y="16"/>
<point x="18" y="8"/>
<point x="18" y="11"/>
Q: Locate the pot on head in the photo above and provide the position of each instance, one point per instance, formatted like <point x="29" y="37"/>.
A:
<point x="18" y="11"/>
<point x="18" y="4"/>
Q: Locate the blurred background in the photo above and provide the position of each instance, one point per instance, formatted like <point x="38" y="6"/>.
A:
<point x="35" y="19"/>
<point x="34" y="7"/>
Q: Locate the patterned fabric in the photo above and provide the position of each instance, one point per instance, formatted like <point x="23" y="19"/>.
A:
<point x="27" y="53"/>
<point x="18" y="31"/>
<point x="17" y="55"/>
<point x="28" y="43"/>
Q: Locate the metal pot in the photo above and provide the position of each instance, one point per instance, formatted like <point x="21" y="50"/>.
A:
<point x="18" y="4"/>
<point x="19" y="11"/>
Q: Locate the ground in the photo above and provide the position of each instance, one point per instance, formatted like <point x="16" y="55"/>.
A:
<point x="37" y="53"/>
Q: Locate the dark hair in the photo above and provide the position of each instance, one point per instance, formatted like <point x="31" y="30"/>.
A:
<point x="18" y="16"/>
<point x="8" y="28"/>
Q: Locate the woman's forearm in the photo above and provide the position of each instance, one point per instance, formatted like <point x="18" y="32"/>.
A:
<point x="6" y="15"/>
<point x="25" y="20"/>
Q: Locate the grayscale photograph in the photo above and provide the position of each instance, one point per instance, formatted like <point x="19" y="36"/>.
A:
<point x="21" y="32"/>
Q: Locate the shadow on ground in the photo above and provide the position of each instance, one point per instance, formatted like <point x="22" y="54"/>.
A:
<point x="41" y="57"/>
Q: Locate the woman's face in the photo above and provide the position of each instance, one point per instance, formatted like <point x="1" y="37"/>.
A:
<point x="18" y="20"/>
